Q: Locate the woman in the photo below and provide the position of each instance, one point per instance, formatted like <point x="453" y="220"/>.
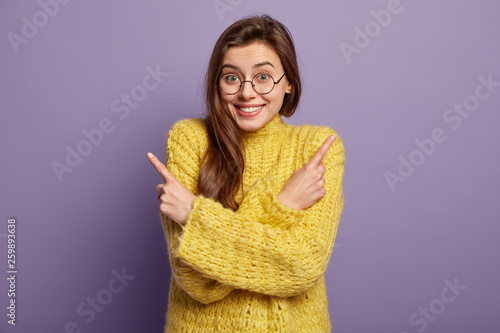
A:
<point x="250" y="204"/>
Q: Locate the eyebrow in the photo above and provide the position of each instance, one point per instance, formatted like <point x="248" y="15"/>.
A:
<point x="260" y="64"/>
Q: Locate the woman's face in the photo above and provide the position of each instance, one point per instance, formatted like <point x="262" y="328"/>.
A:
<point x="245" y="62"/>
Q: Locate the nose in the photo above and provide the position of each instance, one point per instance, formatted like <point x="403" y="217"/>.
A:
<point x="247" y="91"/>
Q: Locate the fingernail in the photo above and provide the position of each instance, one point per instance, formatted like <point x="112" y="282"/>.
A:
<point x="150" y="155"/>
<point x="332" y="137"/>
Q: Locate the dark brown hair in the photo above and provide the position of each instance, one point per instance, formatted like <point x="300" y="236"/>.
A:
<point x="221" y="170"/>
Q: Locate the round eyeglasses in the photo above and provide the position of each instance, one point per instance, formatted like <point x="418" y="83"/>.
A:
<point x="263" y="83"/>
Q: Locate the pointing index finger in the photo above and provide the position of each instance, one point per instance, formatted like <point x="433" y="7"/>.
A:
<point x="322" y="150"/>
<point x="160" y="167"/>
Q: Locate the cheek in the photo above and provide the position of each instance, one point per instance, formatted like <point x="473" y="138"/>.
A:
<point x="225" y="99"/>
<point x="277" y="97"/>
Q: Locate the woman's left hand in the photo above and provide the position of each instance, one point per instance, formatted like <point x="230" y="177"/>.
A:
<point x="174" y="198"/>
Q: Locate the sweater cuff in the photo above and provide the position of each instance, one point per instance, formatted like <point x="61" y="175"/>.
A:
<point x="201" y="222"/>
<point x="276" y="213"/>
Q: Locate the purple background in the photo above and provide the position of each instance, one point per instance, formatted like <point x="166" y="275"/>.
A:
<point x="394" y="249"/>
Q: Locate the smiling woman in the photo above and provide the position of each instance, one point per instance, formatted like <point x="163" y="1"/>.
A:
<point x="250" y="204"/>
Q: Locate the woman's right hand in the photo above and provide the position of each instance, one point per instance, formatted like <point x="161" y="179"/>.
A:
<point x="305" y="187"/>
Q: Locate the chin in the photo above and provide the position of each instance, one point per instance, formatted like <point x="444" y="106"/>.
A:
<point x="251" y="124"/>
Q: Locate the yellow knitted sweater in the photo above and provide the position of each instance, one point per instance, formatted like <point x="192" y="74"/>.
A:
<point x="261" y="268"/>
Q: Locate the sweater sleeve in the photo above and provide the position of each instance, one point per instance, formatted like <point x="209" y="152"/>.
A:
<point x="183" y="142"/>
<point x="268" y="248"/>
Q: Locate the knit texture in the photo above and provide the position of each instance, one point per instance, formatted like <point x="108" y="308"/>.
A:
<point x="261" y="268"/>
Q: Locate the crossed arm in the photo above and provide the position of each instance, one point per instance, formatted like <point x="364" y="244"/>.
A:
<point x="265" y="246"/>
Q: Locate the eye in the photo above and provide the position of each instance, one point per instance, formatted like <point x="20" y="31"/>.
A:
<point x="263" y="77"/>
<point x="231" y="78"/>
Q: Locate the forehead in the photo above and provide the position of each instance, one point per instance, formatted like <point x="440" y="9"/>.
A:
<point x="245" y="57"/>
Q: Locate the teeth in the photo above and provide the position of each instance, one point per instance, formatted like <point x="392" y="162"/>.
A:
<point x="250" y="109"/>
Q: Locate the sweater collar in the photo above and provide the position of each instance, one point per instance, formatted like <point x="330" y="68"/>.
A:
<point x="267" y="134"/>
<point x="262" y="148"/>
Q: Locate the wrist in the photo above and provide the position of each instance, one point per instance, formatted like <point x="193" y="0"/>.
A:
<point x="282" y="199"/>
<point x="188" y="209"/>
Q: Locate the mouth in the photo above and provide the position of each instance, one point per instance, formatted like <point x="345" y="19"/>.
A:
<point x="249" y="108"/>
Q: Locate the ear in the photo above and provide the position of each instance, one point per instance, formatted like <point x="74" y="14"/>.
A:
<point x="288" y="88"/>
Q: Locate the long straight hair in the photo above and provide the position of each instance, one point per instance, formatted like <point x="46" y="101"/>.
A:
<point x="221" y="170"/>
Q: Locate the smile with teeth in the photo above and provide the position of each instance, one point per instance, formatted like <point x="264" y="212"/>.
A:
<point x="252" y="109"/>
